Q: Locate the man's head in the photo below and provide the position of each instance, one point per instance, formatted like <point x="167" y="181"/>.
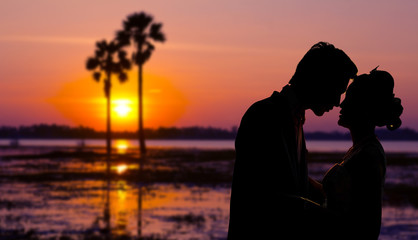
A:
<point x="322" y="76"/>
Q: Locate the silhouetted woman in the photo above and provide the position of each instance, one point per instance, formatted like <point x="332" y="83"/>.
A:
<point x="354" y="186"/>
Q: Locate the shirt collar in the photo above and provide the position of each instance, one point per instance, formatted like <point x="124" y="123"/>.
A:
<point x="294" y="104"/>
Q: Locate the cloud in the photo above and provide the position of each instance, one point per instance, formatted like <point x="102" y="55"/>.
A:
<point x="212" y="48"/>
<point x="193" y="47"/>
<point x="48" y="39"/>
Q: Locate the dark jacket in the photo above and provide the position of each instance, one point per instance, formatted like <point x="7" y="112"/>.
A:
<point x="266" y="172"/>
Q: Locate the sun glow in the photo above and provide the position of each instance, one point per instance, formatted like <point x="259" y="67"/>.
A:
<point x="83" y="102"/>
<point x="122" y="107"/>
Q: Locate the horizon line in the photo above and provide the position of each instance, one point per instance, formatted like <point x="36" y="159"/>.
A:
<point x="231" y="128"/>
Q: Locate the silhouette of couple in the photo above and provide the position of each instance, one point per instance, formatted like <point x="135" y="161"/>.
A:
<point x="272" y="196"/>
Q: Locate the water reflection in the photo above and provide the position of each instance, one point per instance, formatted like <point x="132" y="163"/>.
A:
<point x="123" y="208"/>
<point x="122" y="201"/>
<point x="121" y="146"/>
<point x="120" y="208"/>
<point x="171" y="211"/>
<point x="121" y="168"/>
<point x="139" y="212"/>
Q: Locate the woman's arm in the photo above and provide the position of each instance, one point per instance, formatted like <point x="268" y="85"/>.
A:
<point x="316" y="191"/>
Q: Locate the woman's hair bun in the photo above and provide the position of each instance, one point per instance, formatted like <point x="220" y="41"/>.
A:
<point x="385" y="108"/>
<point x="394" y="112"/>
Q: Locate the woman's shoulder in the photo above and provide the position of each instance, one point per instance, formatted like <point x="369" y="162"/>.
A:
<point x="371" y="158"/>
<point x="373" y="152"/>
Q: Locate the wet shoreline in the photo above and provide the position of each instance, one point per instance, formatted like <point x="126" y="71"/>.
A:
<point x="179" y="193"/>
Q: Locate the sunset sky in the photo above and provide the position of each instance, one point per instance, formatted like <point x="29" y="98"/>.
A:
<point x="220" y="57"/>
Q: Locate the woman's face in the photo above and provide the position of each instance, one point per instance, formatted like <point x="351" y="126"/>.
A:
<point x="353" y="110"/>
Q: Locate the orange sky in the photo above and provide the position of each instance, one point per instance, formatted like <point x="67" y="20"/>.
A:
<point x="220" y="56"/>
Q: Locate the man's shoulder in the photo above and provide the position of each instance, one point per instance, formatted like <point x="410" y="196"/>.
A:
<point x="276" y="101"/>
<point x="272" y="109"/>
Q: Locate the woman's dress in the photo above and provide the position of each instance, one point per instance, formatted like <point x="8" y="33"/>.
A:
<point x="353" y="191"/>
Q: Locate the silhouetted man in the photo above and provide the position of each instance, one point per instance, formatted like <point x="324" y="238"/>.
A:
<point x="270" y="178"/>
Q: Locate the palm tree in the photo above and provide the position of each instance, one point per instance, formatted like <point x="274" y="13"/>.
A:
<point x="139" y="28"/>
<point x="103" y="62"/>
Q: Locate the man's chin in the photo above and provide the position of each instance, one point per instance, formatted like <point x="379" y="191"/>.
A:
<point x="342" y="123"/>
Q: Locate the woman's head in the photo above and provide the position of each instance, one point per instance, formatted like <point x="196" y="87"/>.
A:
<point x="370" y="102"/>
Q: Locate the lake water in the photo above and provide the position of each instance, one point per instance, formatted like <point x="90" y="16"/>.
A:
<point x="85" y="207"/>
<point x="77" y="208"/>
<point x="312" y="145"/>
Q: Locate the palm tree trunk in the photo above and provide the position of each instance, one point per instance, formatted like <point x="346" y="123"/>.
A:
<point x="108" y="129"/>
<point x="140" y="114"/>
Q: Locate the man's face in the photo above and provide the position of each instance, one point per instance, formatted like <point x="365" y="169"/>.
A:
<point x="328" y="97"/>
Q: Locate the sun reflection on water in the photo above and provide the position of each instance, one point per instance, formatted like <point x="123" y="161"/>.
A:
<point x="121" y="168"/>
<point x="123" y="203"/>
<point x="122" y="146"/>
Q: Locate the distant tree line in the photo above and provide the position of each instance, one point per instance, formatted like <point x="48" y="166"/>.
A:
<point x="53" y="131"/>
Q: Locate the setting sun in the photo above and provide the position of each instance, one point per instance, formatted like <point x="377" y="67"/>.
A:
<point x="164" y="104"/>
<point x="122" y="107"/>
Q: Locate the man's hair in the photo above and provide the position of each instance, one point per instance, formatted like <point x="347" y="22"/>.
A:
<point x="323" y="62"/>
